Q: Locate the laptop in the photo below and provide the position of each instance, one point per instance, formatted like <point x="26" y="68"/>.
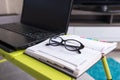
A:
<point x="40" y="19"/>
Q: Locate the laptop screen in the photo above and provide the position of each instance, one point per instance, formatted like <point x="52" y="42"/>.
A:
<point x="51" y="15"/>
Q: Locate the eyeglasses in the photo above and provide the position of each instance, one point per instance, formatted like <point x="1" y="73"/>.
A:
<point x="69" y="44"/>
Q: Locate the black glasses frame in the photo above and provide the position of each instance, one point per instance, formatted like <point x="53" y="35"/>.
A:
<point x="63" y="43"/>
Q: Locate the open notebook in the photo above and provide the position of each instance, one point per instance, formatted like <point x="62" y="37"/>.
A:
<point x="71" y="62"/>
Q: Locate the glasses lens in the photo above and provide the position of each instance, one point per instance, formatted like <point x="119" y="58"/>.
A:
<point x="55" y="41"/>
<point x="72" y="45"/>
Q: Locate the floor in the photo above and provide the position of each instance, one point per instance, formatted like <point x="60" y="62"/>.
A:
<point x="10" y="72"/>
<point x="116" y="53"/>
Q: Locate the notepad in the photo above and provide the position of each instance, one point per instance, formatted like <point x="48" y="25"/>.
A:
<point x="71" y="62"/>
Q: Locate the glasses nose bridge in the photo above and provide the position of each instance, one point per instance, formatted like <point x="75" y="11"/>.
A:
<point x="63" y="41"/>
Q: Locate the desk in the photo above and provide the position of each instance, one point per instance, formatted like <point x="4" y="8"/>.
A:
<point x="40" y="70"/>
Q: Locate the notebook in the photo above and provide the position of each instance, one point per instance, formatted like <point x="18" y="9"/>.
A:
<point x="71" y="62"/>
<point x="40" y="20"/>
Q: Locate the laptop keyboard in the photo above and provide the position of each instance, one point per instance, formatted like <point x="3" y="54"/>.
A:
<point x="39" y="35"/>
<point x="27" y="31"/>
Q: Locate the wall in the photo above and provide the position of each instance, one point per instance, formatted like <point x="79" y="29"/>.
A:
<point x="14" y="6"/>
<point x="3" y="8"/>
<point x="10" y="6"/>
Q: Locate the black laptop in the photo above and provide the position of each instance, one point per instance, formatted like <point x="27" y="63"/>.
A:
<point x="40" y="20"/>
